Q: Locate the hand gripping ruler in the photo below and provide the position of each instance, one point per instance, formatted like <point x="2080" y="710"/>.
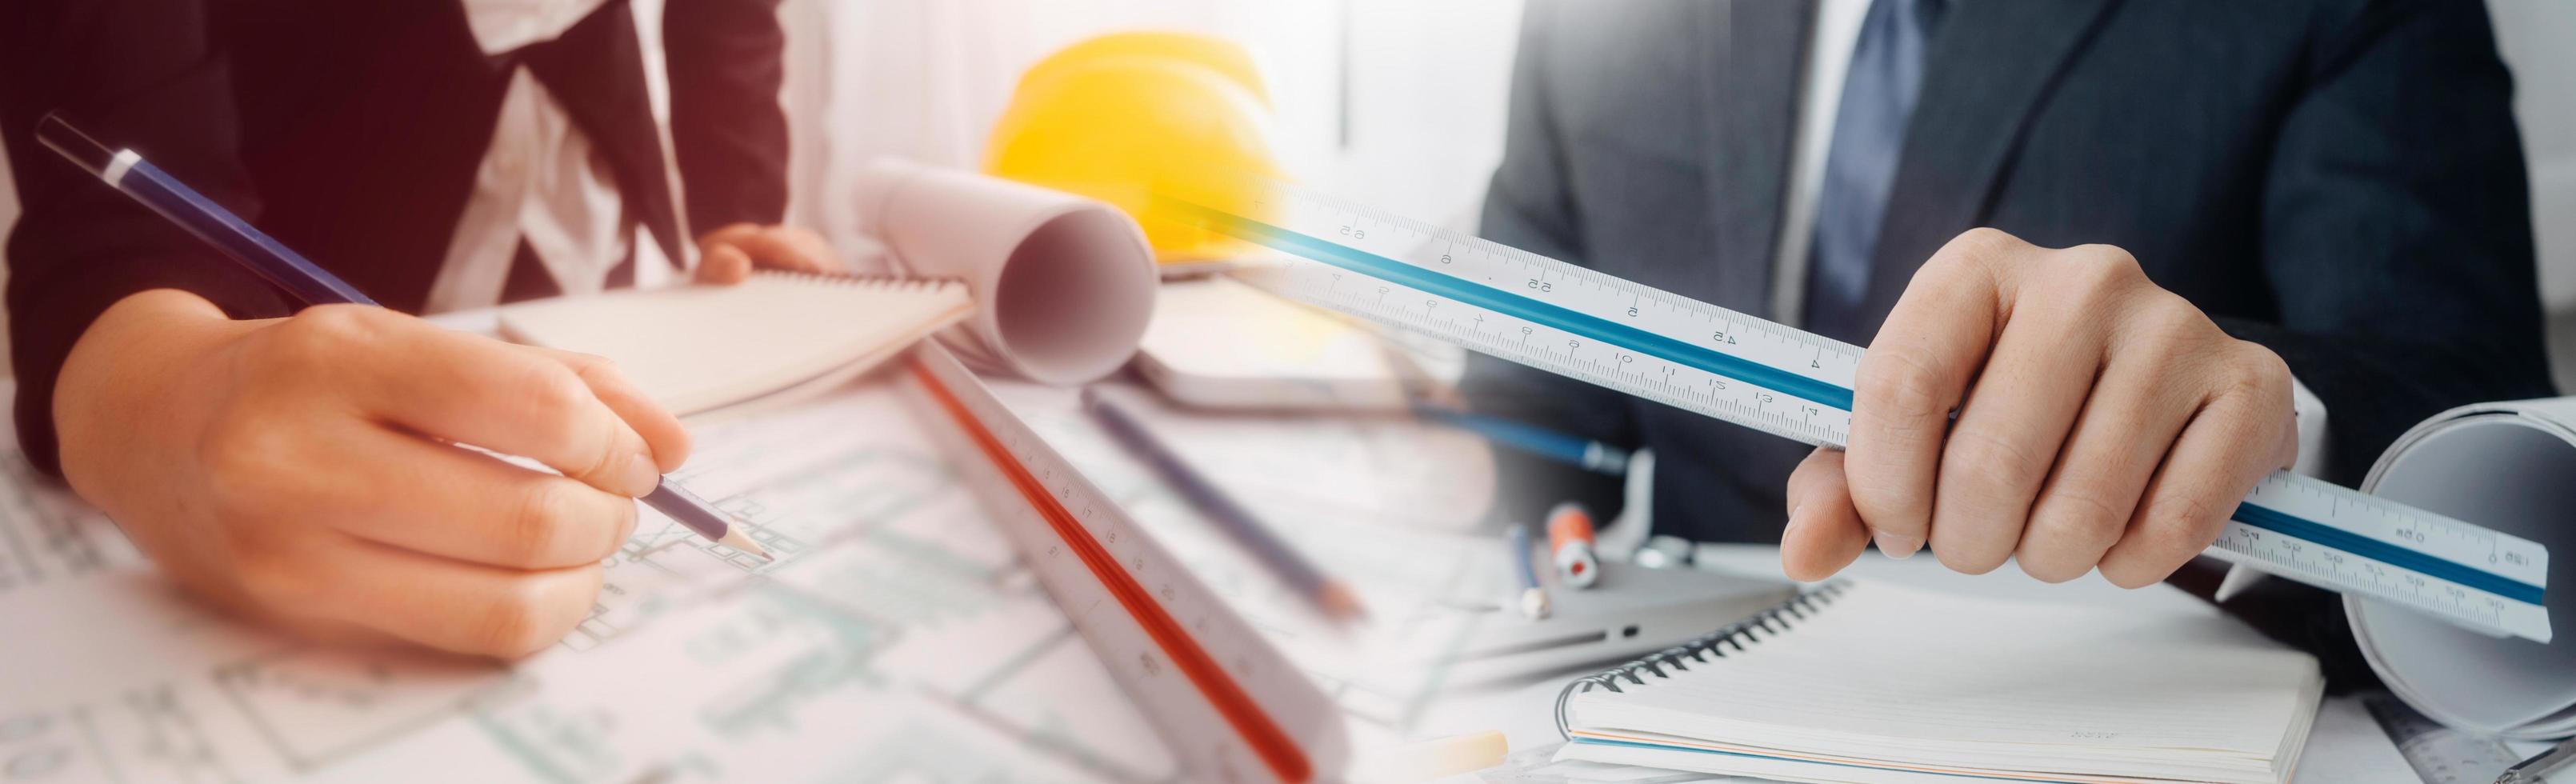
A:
<point x="1699" y="357"/>
<point x="1231" y="706"/>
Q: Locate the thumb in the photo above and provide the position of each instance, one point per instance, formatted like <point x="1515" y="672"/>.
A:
<point x="1824" y="531"/>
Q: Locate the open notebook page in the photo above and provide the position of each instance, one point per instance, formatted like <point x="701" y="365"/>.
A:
<point x="1911" y="676"/>
<point x="696" y="348"/>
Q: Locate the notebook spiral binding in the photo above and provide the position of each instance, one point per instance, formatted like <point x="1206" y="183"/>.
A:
<point x="891" y="282"/>
<point x="1741" y="635"/>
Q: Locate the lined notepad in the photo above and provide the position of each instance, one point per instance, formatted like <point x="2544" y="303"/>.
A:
<point x="1880" y="683"/>
<point x="699" y="348"/>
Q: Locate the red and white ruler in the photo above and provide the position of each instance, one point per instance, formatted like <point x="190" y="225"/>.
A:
<point x="1231" y="706"/>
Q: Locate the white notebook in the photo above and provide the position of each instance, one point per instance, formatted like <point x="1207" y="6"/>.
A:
<point x="1872" y="682"/>
<point x="699" y="348"/>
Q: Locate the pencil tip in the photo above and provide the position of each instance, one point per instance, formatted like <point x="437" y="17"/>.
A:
<point x="736" y="539"/>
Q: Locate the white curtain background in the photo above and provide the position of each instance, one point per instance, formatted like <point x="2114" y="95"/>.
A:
<point x="1396" y="102"/>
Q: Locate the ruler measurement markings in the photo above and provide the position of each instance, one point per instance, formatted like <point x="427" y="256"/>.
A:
<point x="2387" y="581"/>
<point x="1780" y="380"/>
<point x="1396" y="317"/>
<point x="1220" y="669"/>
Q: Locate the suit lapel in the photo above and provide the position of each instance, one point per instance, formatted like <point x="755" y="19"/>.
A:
<point x="1753" y="54"/>
<point x="596" y="71"/>
<point x="1990" y="65"/>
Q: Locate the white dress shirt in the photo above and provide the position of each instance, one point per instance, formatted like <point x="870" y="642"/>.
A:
<point x="1836" y="32"/>
<point x="541" y="181"/>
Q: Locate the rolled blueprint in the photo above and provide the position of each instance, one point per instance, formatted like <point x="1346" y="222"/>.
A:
<point x="2511" y="467"/>
<point x="1064" y="284"/>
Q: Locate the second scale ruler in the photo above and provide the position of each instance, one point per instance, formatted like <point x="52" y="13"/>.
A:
<point x="1232" y="707"/>
<point x="1706" y="359"/>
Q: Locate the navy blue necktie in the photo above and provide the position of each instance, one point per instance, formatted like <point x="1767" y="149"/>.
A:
<point x="1869" y="133"/>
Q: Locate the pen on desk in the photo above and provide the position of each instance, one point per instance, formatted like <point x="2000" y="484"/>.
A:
<point x="1533" y="597"/>
<point x="1569" y="545"/>
<point x="1334" y="598"/>
<point x="1571" y="450"/>
<point x="264" y="256"/>
<point x="2537" y="769"/>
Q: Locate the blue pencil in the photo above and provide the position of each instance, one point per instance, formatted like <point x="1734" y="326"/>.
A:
<point x="1533" y="597"/>
<point x="1571" y="450"/>
<point x="264" y="256"/>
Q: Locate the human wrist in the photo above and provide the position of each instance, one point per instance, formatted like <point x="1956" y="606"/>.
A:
<point x="125" y="370"/>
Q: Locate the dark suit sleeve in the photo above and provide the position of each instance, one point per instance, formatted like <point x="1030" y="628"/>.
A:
<point x="2397" y="229"/>
<point x="727" y="127"/>
<point x="1529" y="206"/>
<point x="139" y="73"/>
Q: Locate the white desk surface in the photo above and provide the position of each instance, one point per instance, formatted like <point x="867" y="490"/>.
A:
<point x="2346" y="747"/>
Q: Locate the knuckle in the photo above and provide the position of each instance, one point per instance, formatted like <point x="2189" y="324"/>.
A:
<point x="1892" y="504"/>
<point x="2068" y="535"/>
<point x="2181" y="526"/>
<point x="2165" y="331"/>
<point x="1983" y="242"/>
<point x="623" y="525"/>
<point x="516" y="620"/>
<point x="2083" y="515"/>
<point x="1978" y="254"/>
<point x="1991" y="463"/>
<point x="593" y="367"/>
<point x="2112" y="263"/>
<point x="1945" y="273"/>
<point x="1899" y="385"/>
<point x="554" y="398"/>
<point x="549" y="387"/>
<point x="243" y="459"/>
<point x="2168" y="318"/>
<point x="507" y="625"/>
<point x="322" y="334"/>
<point x="545" y="527"/>
<point x="2098" y="274"/>
<point x="267" y="576"/>
<point x="2257" y="373"/>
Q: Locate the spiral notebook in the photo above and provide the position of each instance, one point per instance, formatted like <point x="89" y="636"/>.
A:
<point x="773" y="336"/>
<point x="1879" y="683"/>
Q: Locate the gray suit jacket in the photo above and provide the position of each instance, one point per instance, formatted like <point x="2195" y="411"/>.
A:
<point x="2339" y="180"/>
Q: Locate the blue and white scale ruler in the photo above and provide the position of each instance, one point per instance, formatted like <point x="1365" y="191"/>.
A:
<point x="1702" y="358"/>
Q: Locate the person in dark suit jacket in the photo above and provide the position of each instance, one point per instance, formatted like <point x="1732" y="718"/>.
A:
<point x="287" y="463"/>
<point x="2251" y="198"/>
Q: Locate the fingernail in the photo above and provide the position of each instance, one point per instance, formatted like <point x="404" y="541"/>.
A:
<point x="640" y="475"/>
<point x="1898" y="546"/>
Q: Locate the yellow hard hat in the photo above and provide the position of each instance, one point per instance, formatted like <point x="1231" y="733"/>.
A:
<point x="1124" y="116"/>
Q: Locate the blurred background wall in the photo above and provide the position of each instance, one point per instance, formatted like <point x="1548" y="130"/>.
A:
<point x="1400" y="99"/>
<point x="1395" y="102"/>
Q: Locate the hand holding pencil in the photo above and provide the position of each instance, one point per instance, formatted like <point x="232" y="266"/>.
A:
<point x="304" y="470"/>
<point x="293" y="468"/>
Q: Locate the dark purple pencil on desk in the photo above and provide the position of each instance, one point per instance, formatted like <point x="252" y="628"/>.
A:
<point x="264" y="256"/>
<point x="1334" y="598"/>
